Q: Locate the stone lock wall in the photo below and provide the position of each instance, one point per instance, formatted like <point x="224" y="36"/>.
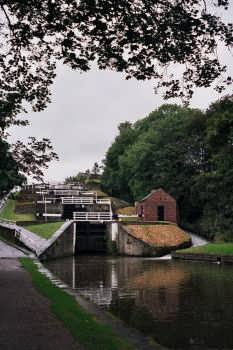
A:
<point x="129" y="245"/>
<point x="61" y="244"/>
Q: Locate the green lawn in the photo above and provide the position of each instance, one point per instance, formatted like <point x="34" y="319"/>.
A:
<point x="9" y="213"/>
<point x="92" y="334"/>
<point x="45" y="230"/>
<point x="211" y="248"/>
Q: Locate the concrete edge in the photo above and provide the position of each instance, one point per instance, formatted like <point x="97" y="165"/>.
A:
<point x="54" y="237"/>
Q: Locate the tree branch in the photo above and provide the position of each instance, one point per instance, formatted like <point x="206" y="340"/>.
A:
<point x="8" y="18"/>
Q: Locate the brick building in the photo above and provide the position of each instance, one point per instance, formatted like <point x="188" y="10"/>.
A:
<point x="158" y="205"/>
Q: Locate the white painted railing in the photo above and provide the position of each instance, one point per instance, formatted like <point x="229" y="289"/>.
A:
<point x="66" y="192"/>
<point x="44" y="202"/>
<point x="84" y="200"/>
<point x="58" y="215"/>
<point x="66" y="187"/>
<point x="77" y="200"/>
<point x="39" y="187"/>
<point x="86" y="193"/>
<point x="92" y="216"/>
<point x="42" y="193"/>
<point x="103" y="201"/>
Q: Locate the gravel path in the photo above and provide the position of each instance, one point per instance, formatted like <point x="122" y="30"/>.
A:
<point x="26" y="321"/>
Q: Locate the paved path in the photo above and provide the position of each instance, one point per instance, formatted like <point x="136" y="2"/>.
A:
<point x="7" y="251"/>
<point x="28" y="238"/>
<point x="198" y="240"/>
<point x="26" y="320"/>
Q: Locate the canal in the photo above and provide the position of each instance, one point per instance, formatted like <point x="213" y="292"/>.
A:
<point x="182" y="305"/>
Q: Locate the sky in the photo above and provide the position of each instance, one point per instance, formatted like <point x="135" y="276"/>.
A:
<point x="84" y="114"/>
<point x="86" y="109"/>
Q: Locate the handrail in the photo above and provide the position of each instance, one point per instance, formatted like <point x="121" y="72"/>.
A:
<point x="92" y="216"/>
<point x="65" y="192"/>
<point x="44" y="202"/>
<point x="77" y="200"/>
<point x="88" y="193"/>
<point x="103" y="201"/>
<point x="42" y="192"/>
<point x="84" y="200"/>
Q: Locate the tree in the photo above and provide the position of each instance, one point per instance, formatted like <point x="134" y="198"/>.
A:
<point x="9" y="172"/>
<point x="96" y="169"/>
<point x="187" y="152"/>
<point x="32" y="157"/>
<point x="111" y="181"/>
<point x="216" y="183"/>
<point x="140" y="38"/>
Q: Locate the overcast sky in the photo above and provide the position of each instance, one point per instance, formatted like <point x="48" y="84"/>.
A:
<point x="84" y="114"/>
<point x="85" y="111"/>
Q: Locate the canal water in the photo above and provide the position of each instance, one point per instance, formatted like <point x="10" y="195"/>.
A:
<point x="182" y="305"/>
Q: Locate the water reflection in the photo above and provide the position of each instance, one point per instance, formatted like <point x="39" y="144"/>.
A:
<point x="181" y="305"/>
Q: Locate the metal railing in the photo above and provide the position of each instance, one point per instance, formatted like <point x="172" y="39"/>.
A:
<point x="65" y="192"/>
<point x="44" y="202"/>
<point x="42" y="193"/>
<point x="103" y="201"/>
<point x="92" y="216"/>
<point x="77" y="200"/>
<point x="85" y="200"/>
<point x="88" y="193"/>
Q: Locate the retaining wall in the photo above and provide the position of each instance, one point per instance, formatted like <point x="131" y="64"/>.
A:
<point x="128" y="244"/>
<point x="61" y="244"/>
<point x="204" y="257"/>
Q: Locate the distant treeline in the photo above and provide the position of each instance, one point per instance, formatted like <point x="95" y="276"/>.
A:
<point x="186" y="151"/>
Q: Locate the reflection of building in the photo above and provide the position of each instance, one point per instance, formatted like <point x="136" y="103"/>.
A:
<point x="158" y="290"/>
<point x="157" y="206"/>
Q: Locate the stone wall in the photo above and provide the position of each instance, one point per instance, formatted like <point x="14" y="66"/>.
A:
<point x="61" y="244"/>
<point x="129" y="245"/>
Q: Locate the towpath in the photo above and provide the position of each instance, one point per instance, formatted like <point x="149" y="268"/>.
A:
<point x="7" y="251"/>
<point x="26" y="320"/>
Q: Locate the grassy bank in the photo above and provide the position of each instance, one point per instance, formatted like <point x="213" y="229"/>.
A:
<point x="211" y="248"/>
<point x="45" y="230"/>
<point x="9" y="213"/>
<point x="84" y="327"/>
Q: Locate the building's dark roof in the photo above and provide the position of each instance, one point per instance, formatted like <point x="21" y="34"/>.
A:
<point x="153" y="191"/>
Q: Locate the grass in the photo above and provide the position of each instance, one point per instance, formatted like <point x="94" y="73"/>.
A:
<point x="127" y="211"/>
<point x="84" y="327"/>
<point x="211" y="248"/>
<point x="9" y="213"/>
<point x="45" y="230"/>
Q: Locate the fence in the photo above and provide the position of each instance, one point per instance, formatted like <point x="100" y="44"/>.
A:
<point x="92" y="216"/>
<point x="84" y="200"/>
